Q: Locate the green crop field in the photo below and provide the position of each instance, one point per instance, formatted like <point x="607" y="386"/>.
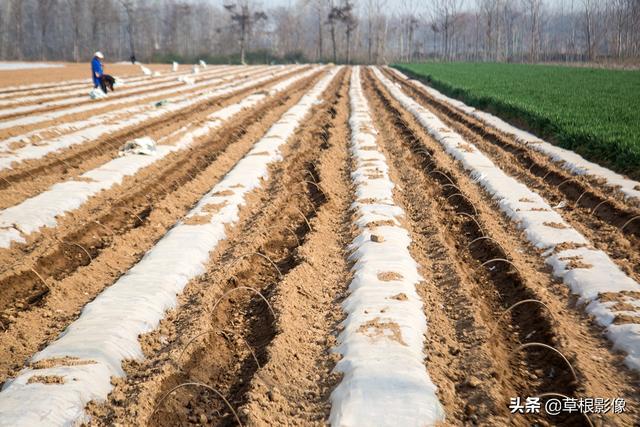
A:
<point x="595" y="112"/>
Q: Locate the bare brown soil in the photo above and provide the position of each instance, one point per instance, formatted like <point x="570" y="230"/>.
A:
<point x="251" y="340"/>
<point x="71" y="71"/>
<point x="141" y="88"/>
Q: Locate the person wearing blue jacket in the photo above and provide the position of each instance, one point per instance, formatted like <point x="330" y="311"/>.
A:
<point x="96" y="69"/>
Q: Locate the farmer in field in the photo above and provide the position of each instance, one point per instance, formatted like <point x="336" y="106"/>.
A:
<point x="96" y="69"/>
<point x="99" y="77"/>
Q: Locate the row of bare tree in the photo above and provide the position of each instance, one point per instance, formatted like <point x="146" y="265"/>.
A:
<point x="364" y="31"/>
<point x="535" y="30"/>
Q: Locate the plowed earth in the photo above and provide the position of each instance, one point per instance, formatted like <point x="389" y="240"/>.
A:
<point x="259" y="326"/>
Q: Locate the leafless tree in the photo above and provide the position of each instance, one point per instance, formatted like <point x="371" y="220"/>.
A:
<point x="588" y="7"/>
<point x="45" y="7"/>
<point x="244" y="17"/>
<point x="75" y="12"/>
<point x="130" y="10"/>
<point x="343" y="14"/>
<point x="320" y="7"/>
<point x="350" y="23"/>
<point x="16" y="21"/>
<point x="332" y="19"/>
<point x="534" y="8"/>
<point x="446" y="11"/>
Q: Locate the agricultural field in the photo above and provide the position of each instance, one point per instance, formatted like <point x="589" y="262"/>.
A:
<point x="594" y="112"/>
<point x="310" y="244"/>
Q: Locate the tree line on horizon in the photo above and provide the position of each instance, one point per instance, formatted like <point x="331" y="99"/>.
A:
<point x="342" y="31"/>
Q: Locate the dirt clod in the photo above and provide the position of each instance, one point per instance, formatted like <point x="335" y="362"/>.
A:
<point x="389" y="276"/>
<point x="377" y="238"/>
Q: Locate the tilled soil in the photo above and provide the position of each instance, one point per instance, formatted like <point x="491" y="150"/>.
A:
<point x="252" y="339"/>
<point x="89" y="249"/>
<point x="233" y="346"/>
<point x="39" y="174"/>
<point x="41" y="76"/>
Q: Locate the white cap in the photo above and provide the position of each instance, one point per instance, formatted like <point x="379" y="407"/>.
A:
<point x="99" y="55"/>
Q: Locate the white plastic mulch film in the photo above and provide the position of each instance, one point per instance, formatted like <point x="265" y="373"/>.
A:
<point x="139" y="146"/>
<point x="385" y="382"/>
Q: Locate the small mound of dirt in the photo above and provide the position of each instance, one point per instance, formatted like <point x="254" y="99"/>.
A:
<point x="573" y="264"/>
<point x="63" y="361"/>
<point x="375" y="176"/>
<point x="625" y="319"/>
<point x="377" y="238"/>
<point x="466" y="147"/>
<point x="624" y="306"/>
<point x="618" y="296"/>
<point x="214" y="207"/>
<point x="380" y="223"/>
<point x="389" y="276"/>
<point x="198" y="220"/>
<point x="556" y="225"/>
<point x="367" y="201"/>
<point x="84" y="179"/>
<point x="46" y="379"/>
<point x="376" y="328"/>
<point x="568" y="245"/>
<point x="223" y="193"/>
<point x="368" y="164"/>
